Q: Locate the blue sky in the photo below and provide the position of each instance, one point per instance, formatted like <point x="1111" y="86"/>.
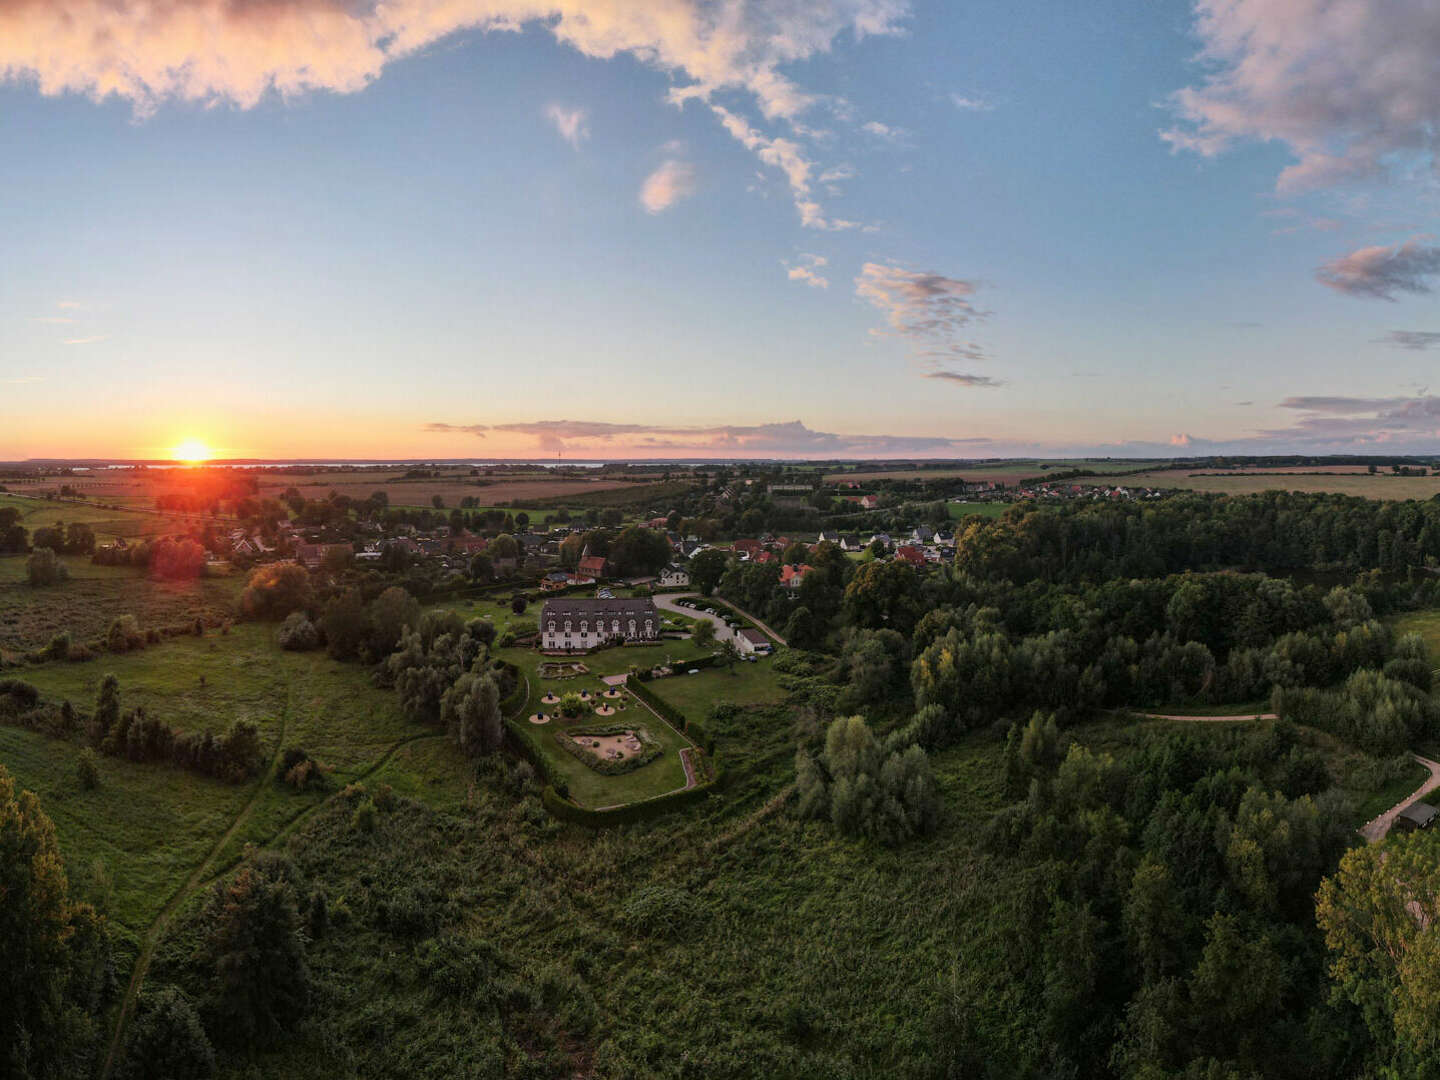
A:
<point x="315" y="232"/>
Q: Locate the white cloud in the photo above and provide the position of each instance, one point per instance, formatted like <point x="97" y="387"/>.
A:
<point x="84" y="340"/>
<point x="929" y="310"/>
<point x="672" y="181"/>
<point x="572" y="124"/>
<point x="884" y="131"/>
<point x="971" y="104"/>
<point x="1349" y="87"/>
<point x="807" y="269"/>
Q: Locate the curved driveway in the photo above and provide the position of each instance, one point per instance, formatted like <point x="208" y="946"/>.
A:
<point x="723" y="632"/>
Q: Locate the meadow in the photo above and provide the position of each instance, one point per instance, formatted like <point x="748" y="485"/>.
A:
<point x="1007" y="472"/>
<point x="90" y="600"/>
<point x="960" y="510"/>
<point x="107" y="522"/>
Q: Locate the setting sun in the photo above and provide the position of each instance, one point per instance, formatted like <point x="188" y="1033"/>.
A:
<point x="191" y="450"/>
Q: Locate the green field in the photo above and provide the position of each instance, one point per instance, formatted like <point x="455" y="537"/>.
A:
<point x="1379" y="486"/>
<point x="108" y="524"/>
<point x="695" y="695"/>
<point x="1427" y="625"/>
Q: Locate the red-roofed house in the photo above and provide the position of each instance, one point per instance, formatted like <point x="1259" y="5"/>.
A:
<point x="910" y="553"/>
<point x="791" y="576"/>
<point x="592" y="566"/>
<point x="746" y="547"/>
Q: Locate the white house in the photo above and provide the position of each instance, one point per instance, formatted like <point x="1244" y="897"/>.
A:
<point x="572" y="623"/>
<point x="672" y="576"/>
<point x="753" y="643"/>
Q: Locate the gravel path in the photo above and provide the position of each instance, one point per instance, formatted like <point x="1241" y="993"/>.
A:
<point x="1374" y="831"/>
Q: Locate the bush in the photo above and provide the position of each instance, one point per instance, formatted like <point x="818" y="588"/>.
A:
<point x="365" y="817"/>
<point x="87" y="769"/>
<point x="167" y="1040"/>
<point x="45" y="568"/>
<point x="297" y="633"/>
<point x="124" y="634"/>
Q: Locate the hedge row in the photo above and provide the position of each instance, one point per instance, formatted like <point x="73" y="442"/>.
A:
<point x="649" y="748"/>
<point x="566" y="810"/>
<point x="678" y="720"/>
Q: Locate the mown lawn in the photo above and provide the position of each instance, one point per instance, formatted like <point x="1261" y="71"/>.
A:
<point x="695" y="695"/>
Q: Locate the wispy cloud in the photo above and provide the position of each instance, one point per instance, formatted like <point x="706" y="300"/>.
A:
<point x="478" y="430"/>
<point x="1351" y="89"/>
<point x="930" y="311"/>
<point x="1417" y="340"/>
<point x="884" y="131"/>
<point x="979" y="382"/>
<point x="52" y="319"/>
<point x="672" y="181"/>
<point x="93" y="339"/>
<point x="572" y="124"/>
<point x="807" y="269"/>
<point x="23" y="380"/>
<point x="971" y="103"/>
<point x="72" y="304"/>
<point x="791" y="438"/>
<point x="1381" y="272"/>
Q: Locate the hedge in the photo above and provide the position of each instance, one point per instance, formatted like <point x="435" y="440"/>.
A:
<point x="677" y="719"/>
<point x="646" y="810"/>
<point x="649" y="748"/>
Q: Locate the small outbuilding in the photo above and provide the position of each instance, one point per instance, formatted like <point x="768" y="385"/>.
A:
<point x="1417" y="815"/>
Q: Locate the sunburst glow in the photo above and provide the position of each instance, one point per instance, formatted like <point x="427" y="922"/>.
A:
<point x="191" y="450"/>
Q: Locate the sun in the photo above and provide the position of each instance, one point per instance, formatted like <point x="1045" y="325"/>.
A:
<point x="192" y="451"/>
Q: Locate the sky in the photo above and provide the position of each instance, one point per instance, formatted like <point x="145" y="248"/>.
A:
<point x="717" y="228"/>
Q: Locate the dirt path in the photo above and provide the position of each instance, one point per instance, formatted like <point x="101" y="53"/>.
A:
<point x="1374" y="831"/>
<point x="196" y="878"/>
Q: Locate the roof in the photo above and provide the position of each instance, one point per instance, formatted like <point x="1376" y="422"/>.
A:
<point x="755" y="637"/>
<point x="593" y="564"/>
<point x="1419" y="814"/>
<point x="590" y="607"/>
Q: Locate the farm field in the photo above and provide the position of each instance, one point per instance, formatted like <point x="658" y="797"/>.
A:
<point x="1008" y="472"/>
<point x="1379" y="486"/>
<point x="107" y="523"/>
<point x="89" y="601"/>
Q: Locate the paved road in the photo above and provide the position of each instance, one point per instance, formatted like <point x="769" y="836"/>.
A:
<point x="722" y="632"/>
<point x="1374" y="831"/>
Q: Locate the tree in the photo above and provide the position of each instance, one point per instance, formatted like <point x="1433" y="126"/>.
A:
<point x="167" y="1040"/>
<point x="437" y="501"/>
<point x="470" y="710"/>
<point x="107" y="709"/>
<point x="45" y="568"/>
<point x="345" y="624"/>
<point x="390" y="613"/>
<point x="706" y="569"/>
<point x="729" y="655"/>
<point x="275" y="590"/>
<point x="482" y="567"/>
<point x="703" y="633"/>
<point x="87" y="769"/>
<point x="297" y="633"/>
<point x="177" y="560"/>
<point x="51" y="949"/>
<point x="1378" y="913"/>
<point x="261" y="980"/>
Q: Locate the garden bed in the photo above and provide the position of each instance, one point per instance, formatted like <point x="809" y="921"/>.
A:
<point x="612" y="749"/>
<point x="567" y="670"/>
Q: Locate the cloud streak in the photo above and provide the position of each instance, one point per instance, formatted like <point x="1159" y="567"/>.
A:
<point x="807" y="269"/>
<point x="930" y="311"/>
<point x="1378" y="273"/>
<point x="1415" y="340"/>
<point x="787" y="439"/>
<point x="1349" y="88"/>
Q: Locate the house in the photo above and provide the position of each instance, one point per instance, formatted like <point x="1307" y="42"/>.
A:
<point x="827" y="537"/>
<point x="791" y="576"/>
<point x="922" y="534"/>
<point x="1417" y="815"/>
<point x="568" y="623"/>
<point x="909" y="553"/>
<point x="591" y="566"/>
<point x="851" y="543"/>
<point x="672" y="576"/>
<point x="752" y="643"/>
<point x="746" y="548"/>
<point x="466" y="544"/>
<point x="869" y="502"/>
<point x="884" y="539"/>
<point x="557" y="580"/>
<point x="312" y="556"/>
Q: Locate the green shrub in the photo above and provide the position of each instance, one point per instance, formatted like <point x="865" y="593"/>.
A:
<point x="649" y="748"/>
<point x="87" y="769"/>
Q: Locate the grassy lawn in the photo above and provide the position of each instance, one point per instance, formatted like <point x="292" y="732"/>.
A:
<point x="1427" y="625"/>
<point x="149" y="824"/>
<point x="695" y="695"/>
<point x="92" y="598"/>
<point x="108" y="524"/>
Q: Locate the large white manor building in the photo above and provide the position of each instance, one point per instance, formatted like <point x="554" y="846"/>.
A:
<point x="584" y="623"/>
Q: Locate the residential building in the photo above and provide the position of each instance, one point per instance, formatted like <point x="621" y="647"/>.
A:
<point x="911" y="554"/>
<point x="673" y="576"/>
<point x="792" y="575"/>
<point x="569" y="623"/>
<point x="592" y="566"/>
<point x="752" y="643"/>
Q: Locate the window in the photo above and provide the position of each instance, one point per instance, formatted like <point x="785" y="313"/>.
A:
<point x="632" y="627"/>
<point x="552" y="626"/>
<point x="583" y="625"/>
<point x="567" y="626"/>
